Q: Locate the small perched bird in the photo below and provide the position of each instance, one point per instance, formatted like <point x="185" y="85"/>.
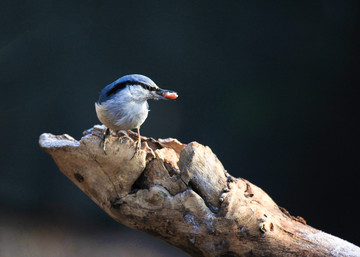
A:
<point x="122" y="105"/>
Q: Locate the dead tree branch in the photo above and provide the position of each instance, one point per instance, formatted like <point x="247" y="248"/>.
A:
<point x="183" y="195"/>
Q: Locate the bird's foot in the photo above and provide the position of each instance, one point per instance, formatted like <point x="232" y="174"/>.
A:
<point x="137" y="149"/>
<point x="135" y="153"/>
<point x="104" y="139"/>
<point x="121" y="134"/>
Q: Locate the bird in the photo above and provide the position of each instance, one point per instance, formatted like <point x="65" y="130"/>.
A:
<point x="123" y="105"/>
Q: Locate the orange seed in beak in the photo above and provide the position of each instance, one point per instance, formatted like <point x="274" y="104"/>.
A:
<point x="171" y="95"/>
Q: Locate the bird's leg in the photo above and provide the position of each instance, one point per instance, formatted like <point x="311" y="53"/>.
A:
<point x="139" y="139"/>
<point x="138" y="143"/>
<point x="104" y="139"/>
<point x="121" y="134"/>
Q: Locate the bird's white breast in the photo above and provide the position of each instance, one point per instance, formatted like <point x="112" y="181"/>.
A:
<point x="122" y="112"/>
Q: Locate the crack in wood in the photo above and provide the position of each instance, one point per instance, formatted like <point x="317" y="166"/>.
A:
<point x="195" y="188"/>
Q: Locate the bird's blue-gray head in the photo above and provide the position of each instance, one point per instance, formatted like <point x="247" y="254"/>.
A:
<point x="140" y="86"/>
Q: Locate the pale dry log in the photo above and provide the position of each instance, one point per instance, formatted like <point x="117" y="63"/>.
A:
<point x="183" y="195"/>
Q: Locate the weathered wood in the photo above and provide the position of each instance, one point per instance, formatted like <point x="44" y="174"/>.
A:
<point x="183" y="195"/>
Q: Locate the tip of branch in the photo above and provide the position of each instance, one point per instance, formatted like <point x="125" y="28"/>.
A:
<point x="48" y="140"/>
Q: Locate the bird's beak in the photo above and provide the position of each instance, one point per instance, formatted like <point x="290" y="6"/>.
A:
<point x="167" y="94"/>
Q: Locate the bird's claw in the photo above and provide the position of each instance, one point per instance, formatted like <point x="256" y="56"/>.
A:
<point x="104" y="139"/>
<point x="137" y="150"/>
<point x="104" y="147"/>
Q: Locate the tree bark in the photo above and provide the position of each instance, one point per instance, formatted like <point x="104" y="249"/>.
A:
<point x="182" y="194"/>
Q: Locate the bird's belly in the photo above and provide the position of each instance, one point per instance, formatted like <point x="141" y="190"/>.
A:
<point x="132" y="121"/>
<point x="119" y="118"/>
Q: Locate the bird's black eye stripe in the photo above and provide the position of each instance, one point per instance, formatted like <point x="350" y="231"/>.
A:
<point x="123" y="84"/>
<point x="145" y="86"/>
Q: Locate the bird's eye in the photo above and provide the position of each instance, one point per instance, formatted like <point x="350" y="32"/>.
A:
<point x="150" y="88"/>
<point x="147" y="87"/>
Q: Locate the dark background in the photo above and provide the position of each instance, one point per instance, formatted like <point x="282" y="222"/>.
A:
<point x="270" y="86"/>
